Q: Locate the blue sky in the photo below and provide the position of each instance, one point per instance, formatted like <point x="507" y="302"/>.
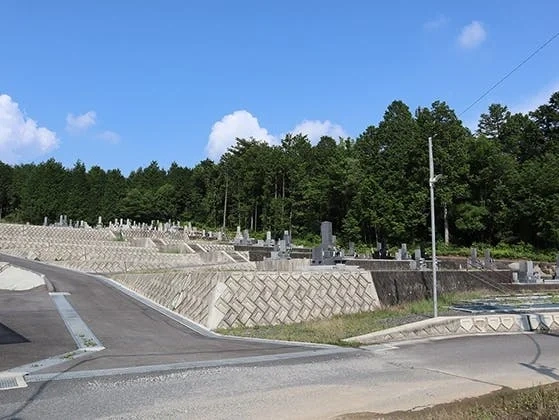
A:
<point x="119" y="84"/>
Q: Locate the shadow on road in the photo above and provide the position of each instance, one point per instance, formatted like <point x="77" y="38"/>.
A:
<point x="548" y="371"/>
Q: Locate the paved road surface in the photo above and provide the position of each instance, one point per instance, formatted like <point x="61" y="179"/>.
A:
<point x="133" y="334"/>
<point x="377" y="379"/>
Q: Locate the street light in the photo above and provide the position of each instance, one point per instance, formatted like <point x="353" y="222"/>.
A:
<point x="432" y="180"/>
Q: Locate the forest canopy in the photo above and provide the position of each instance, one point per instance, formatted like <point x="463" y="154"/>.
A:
<point x="498" y="183"/>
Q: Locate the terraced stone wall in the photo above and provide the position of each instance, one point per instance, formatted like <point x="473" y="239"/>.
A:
<point x="248" y="298"/>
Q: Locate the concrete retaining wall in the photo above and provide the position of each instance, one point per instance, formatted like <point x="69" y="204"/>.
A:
<point x="257" y="253"/>
<point x="394" y="287"/>
<point x="382" y="265"/>
<point x="229" y="299"/>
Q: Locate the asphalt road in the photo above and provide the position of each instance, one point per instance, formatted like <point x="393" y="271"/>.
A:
<point x="32" y="328"/>
<point x="133" y="333"/>
<point x="376" y="379"/>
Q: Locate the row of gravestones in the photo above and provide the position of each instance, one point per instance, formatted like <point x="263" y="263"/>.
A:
<point x="127" y="224"/>
<point x="65" y="222"/>
<point x="527" y="274"/>
<point x="281" y="248"/>
<point x="42" y="232"/>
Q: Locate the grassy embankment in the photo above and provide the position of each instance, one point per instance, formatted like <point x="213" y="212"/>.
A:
<point x="335" y="329"/>
<point x="541" y="402"/>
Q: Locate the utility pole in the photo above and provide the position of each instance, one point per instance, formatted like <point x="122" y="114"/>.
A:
<point x="432" y="180"/>
<point x="225" y="203"/>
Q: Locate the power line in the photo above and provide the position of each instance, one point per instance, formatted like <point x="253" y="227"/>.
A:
<point x="541" y="47"/>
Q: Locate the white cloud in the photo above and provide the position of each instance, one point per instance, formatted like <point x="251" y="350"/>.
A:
<point x="109" y="136"/>
<point x="75" y="123"/>
<point x="239" y="124"/>
<point x="21" y="137"/>
<point x="315" y="129"/>
<point x="435" y="24"/>
<point x="242" y="124"/>
<point x="532" y="102"/>
<point x="472" y="35"/>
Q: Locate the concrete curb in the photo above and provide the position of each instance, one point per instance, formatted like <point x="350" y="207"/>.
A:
<point x="451" y="326"/>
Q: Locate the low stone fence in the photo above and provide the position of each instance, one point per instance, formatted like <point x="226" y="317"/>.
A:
<point x="453" y="326"/>
<point x="229" y="299"/>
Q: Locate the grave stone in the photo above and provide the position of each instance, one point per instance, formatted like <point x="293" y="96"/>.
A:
<point x="380" y="252"/>
<point x="46" y="221"/>
<point x="487" y="260"/>
<point x="473" y="254"/>
<point x="351" y="250"/>
<point x="326" y="253"/>
<point x="317" y="255"/>
<point x="404" y="252"/>
<point x="526" y="272"/>
<point x="326" y="234"/>
<point x="287" y="238"/>
<point x="530" y="271"/>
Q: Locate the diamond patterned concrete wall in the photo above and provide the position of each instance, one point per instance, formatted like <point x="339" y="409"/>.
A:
<point x="268" y="298"/>
<point x="227" y="299"/>
<point x="187" y="293"/>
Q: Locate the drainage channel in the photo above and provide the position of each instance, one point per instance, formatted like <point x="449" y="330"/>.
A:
<point x="509" y="304"/>
<point x="84" y="338"/>
<point x="11" y="381"/>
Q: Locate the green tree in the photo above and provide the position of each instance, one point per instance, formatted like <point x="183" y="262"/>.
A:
<point x="491" y="123"/>
<point x="77" y="202"/>
<point x="7" y="193"/>
<point x="450" y="156"/>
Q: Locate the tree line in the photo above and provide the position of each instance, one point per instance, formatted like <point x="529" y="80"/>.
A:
<point x="498" y="183"/>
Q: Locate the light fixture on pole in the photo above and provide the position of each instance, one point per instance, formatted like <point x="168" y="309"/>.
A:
<point x="432" y="180"/>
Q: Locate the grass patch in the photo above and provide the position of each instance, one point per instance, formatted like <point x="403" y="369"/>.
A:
<point x="500" y="251"/>
<point x="541" y="402"/>
<point x="335" y="329"/>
